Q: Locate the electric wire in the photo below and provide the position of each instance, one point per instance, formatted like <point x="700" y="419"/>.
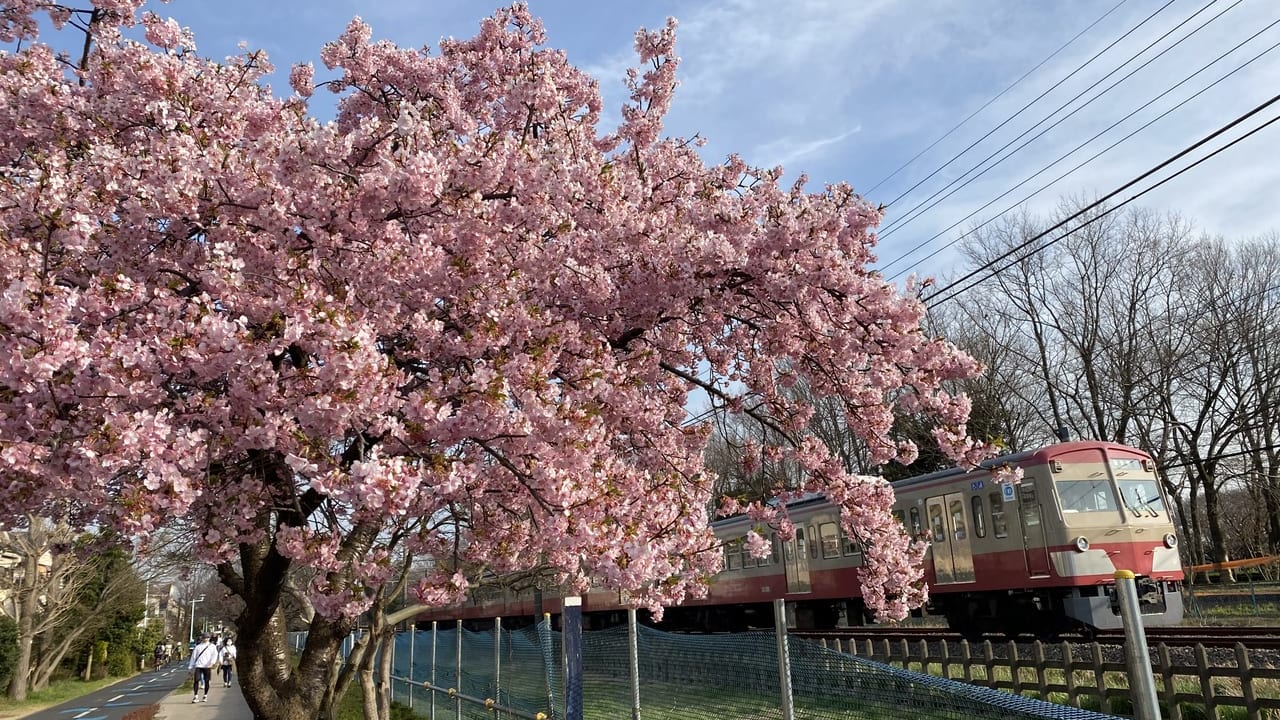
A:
<point x="1091" y="158"/>
<point x="920" y="208"/>
<point x="949" y="291"/>
<point x="988" y="103"/>
<point x="932" y="303"/>
<point x="1051" y="88"/>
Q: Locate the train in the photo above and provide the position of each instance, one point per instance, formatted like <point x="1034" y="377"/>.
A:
<point x="1039" y="555"/>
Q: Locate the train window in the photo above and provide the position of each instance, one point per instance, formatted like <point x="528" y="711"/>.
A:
<point x="937" y="524"/>
<point x="999" y="524"/>
<point x="915" y="522"/>
<point x="801" y="548"/>
<point x="1084" y="496"/>
<point x="813" y="544"/>
<point x="745" y="554"/>
<point x="958" y="525"/>
<point x="851" y="548"/>
<point x="1142" y="497"/>
<point x="830" y="535"/>
<point x="732" y="558"/>
<point x="774" y="543"/>
<point x="847" y="546"/>
<point x="979" y="521"/>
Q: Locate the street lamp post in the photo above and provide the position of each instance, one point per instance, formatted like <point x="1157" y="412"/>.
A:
<point x="191" y="632"/>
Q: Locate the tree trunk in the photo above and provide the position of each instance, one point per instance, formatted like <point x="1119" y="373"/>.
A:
<point x="369" y="694"/>
<point x="26" y="607"/>
<point x="21" y="668"/>
<point x="52" y="658"/>
<point x="1272" y="509"/>
<point x="1217" y="538"/>
<point x="387" y="646"/>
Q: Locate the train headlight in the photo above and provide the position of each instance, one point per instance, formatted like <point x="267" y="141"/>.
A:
<point x="1082" y="543"/>
<point x="1170" y="540"/>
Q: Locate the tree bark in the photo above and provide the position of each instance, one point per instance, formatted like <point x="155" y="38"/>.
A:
<point x="27" y="603"/>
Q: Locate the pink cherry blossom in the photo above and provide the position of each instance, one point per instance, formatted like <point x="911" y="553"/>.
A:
<point x="460" y="321"/>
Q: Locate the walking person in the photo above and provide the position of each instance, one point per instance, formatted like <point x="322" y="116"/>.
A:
<point x="203" y="659"/>
<point x="228" y="658"/>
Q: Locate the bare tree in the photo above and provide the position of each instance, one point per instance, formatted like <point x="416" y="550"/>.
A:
<point x="58" y="594"/>
<point x="1080" y="303"/>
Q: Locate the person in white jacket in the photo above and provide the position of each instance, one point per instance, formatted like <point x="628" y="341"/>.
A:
<point x="204" y="658"/>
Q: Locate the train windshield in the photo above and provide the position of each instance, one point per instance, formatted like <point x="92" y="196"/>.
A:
<point x="1087" y="496"/>
<point x="1141" y="497"/>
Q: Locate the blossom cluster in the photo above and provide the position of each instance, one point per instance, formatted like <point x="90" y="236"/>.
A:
<point x="459" y="315"/>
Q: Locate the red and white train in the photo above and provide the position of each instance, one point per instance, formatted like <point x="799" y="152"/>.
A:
<point x="1038" y="556"/>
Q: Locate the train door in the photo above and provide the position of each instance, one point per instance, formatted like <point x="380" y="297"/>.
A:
<point x="1033" y="541"/>
<point x="936" y="513"/>
<point x="796" y="555"/>
<point x="961" y="551"/>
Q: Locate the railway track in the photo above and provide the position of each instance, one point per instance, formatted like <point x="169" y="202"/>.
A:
<point x="1256" y="638"/>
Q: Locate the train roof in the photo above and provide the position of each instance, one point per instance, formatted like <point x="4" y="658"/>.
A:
<point x="1025" y="458"/>
<point x="1037" y="456"/>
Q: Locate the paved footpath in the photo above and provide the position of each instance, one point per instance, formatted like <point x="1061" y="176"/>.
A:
<point x="149" y="688"/>
<point x="223" y="703"/>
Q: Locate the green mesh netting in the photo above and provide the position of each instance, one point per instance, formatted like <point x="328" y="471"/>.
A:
<point x="714" y="676"/>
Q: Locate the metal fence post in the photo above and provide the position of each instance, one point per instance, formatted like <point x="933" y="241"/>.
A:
<point x="784" y="658"/>
<point x="544" y="638"/>
<point x="435" y="627"/>
<point x="571" y="626"/>
<point x="457" y="675"/>
<point x="1142" y="683"/>
<point x="413" y="637"/>
<point x="633" y="652"/>
<point x="497" y="660"/>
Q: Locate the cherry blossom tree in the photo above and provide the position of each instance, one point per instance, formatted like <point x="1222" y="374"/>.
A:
<point x="458" y="321"/>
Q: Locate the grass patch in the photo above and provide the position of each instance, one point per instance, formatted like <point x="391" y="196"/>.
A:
<point x="58" y="692"/>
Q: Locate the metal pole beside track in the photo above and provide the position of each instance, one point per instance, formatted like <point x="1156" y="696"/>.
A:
<point x="1142" y="682"/>
<point x="435" y="627"/>
<point x="571" y="628"/>
<point x="784" y="659"/>
<point x="457" y="675"/>
<point x="413" y="636"/>
<point x="633" y="659"/>
<point x="544" y="639"/>
<point x="497" y="659"/>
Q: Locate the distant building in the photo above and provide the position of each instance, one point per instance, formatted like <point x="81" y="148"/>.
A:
<point x="12" y="570"/>
<point x="163" y="605"/>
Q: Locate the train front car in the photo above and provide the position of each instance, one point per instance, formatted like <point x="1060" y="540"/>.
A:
<point x="1110" y="515"/>
<point x="1042" y="555"/>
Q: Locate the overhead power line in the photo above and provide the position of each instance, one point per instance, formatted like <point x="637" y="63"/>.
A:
<point x="1091" y="158"/>
<point x="953" y="289"/>
<point x="1001" y="94"/>
<point x="1051" y="88"/>
<point x="967" y="177"/>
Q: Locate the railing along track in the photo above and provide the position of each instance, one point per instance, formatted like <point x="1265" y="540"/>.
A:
<point x="1260" y="638"/>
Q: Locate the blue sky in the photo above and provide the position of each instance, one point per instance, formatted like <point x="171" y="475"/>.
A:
<point x="852" y="89"/>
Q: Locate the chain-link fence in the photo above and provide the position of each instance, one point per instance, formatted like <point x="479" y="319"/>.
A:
<point x="714" y="676"/>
